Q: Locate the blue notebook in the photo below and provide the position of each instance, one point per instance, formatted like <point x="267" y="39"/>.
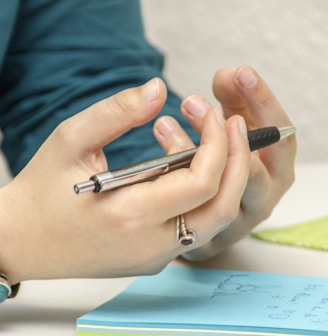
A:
<point x="188" y="301"/>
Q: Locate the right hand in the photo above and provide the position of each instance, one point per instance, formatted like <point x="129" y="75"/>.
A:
<point x="47" y="231"/>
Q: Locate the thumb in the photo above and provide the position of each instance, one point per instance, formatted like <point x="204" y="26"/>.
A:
<point x="107" y="119"/>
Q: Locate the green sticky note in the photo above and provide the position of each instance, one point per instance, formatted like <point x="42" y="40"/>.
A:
<point x="311" y="234"/>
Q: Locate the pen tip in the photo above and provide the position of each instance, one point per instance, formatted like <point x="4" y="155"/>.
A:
<point x="286" y="131"/>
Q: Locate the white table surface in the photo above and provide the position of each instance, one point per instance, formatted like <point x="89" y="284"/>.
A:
<point x="51" y="307"/>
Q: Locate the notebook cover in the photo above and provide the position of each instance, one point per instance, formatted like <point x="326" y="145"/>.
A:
<point x="188" y="301"/>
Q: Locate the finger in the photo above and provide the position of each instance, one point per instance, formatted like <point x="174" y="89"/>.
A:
<point x="184" y="189"/>
<point x="220" y="211"/>
<point x="229" y="97"/>
<point x="171" y="136"/>
<point x="266" y="110"/>
<point x="244" y="92"/>
<point x="194" y="108"/>
<point x="264" y="106"/>
<point x="215" y="221"/>
<point x="108" y="119"/>
<point x="169" y="133"/>
<point x="271" y="171"/>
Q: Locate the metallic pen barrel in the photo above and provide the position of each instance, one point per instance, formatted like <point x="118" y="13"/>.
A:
<point x="146" y="171"/>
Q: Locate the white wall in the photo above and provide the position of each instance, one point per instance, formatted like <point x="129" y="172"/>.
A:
<point x="285" y="40"/>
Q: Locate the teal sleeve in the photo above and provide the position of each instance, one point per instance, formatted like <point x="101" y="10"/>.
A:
<point x="65" y="55"/>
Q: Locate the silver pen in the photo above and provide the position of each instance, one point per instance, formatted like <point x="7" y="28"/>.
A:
<point x="151" y="169"/>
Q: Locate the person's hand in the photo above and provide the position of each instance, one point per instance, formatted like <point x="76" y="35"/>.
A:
<point x="47" y="231"/>
<point x="271" y="172"/>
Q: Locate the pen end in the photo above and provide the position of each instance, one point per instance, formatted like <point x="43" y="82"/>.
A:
<point x="82" y="187"/>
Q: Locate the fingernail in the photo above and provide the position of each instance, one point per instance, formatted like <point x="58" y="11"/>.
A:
<point x="166" y="127"/>
<point x="196" y="106"/>
<point x="242" y="127"/>
<point x="247" y="78"/>
<point x="151" y="89"/>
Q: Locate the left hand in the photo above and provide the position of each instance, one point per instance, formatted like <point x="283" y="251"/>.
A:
<point x="270" y="171"/>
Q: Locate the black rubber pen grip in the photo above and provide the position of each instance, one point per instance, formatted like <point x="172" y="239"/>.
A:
<point x="263" y="137"/>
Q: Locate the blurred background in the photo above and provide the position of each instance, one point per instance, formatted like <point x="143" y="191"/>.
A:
<point x="285" y="40"/>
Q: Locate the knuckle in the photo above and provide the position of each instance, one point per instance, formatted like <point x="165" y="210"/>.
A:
<point x="265" y="213"/>
<point x="65" y="132"/>
<point x="264" y="101"/>
<point x="260" y="214"/>
<point x="229" y="213"/>
<point x="257" y="173"/>
<point x="125" y="102"/>
<point x="207" y="187"/>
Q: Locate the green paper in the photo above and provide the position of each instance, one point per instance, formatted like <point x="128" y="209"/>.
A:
<point x="312" y="234"/>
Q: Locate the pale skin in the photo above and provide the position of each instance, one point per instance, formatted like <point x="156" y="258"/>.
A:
<point x="47" y="231"/>
<point x="271" y="170"/>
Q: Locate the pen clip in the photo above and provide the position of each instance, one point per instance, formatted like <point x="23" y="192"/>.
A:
<point x="141" y="172"/>
<point x="116" y="179"/>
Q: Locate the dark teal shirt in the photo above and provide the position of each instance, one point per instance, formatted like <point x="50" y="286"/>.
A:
<point x="59" y="57"/>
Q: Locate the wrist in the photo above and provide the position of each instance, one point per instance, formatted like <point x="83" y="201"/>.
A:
<point x="9" y="249"/>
